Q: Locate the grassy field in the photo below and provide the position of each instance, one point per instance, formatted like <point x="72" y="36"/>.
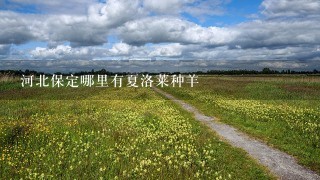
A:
<point x="283" y="111"/>
<point x="112" y="133"/>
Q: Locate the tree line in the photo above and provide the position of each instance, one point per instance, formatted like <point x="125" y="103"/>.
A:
<point x="210" y="72"/>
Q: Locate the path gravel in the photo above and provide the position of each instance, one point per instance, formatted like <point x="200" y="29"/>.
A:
<point x="279" y="163"/>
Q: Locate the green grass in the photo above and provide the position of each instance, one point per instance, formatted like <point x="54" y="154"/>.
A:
<point x="113" y="133"/>
<point x="283" y="111"/>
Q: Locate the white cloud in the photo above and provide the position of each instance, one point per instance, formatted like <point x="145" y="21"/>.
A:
<point x="61" y="52"/>
<point x="80" y="30"/>
<point x="121" y="49"/>
<point x="169" y="50"/>
<point x="168" y="29"/>
<point x="19" y="29"/>
<point x="277" y="33"/>
<point x="115" y="12"/>
<point x="14" y="29"/>
<point x="166" y="6"/>
<point x="77" y="30"/>
<point x="289" y="8"/>
<point x="196" y="8"/>
<point x="283" y="65"/>
<point x="224" y="53"/>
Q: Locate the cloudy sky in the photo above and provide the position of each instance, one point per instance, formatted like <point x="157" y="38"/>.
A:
<point x="160" y="29"/>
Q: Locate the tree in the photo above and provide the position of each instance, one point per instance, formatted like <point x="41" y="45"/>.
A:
<point x="266" y="71"/>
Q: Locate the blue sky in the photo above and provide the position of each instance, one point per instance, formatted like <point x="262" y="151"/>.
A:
<point x="162" y="30"/>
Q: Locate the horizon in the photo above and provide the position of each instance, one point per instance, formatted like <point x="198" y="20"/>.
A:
<point x="156" y="66"/>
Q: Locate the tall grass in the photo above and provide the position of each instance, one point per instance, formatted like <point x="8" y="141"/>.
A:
<point x="8" y="78"/>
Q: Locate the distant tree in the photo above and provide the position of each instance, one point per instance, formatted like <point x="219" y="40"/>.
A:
<point x="27" y="72"/>
<point x="266" y="71"/>
<point x="103" y="71"/>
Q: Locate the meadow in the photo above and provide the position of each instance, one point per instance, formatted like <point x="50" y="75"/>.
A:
<point x="283" y="111"/>
<point x="111" y="133"/>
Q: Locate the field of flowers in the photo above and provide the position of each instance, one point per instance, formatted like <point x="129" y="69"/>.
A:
<point x="284" y="112"/>
<point x="118" y="133"/>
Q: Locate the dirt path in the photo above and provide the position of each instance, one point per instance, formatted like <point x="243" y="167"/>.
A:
<point x="279" y="163"/>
